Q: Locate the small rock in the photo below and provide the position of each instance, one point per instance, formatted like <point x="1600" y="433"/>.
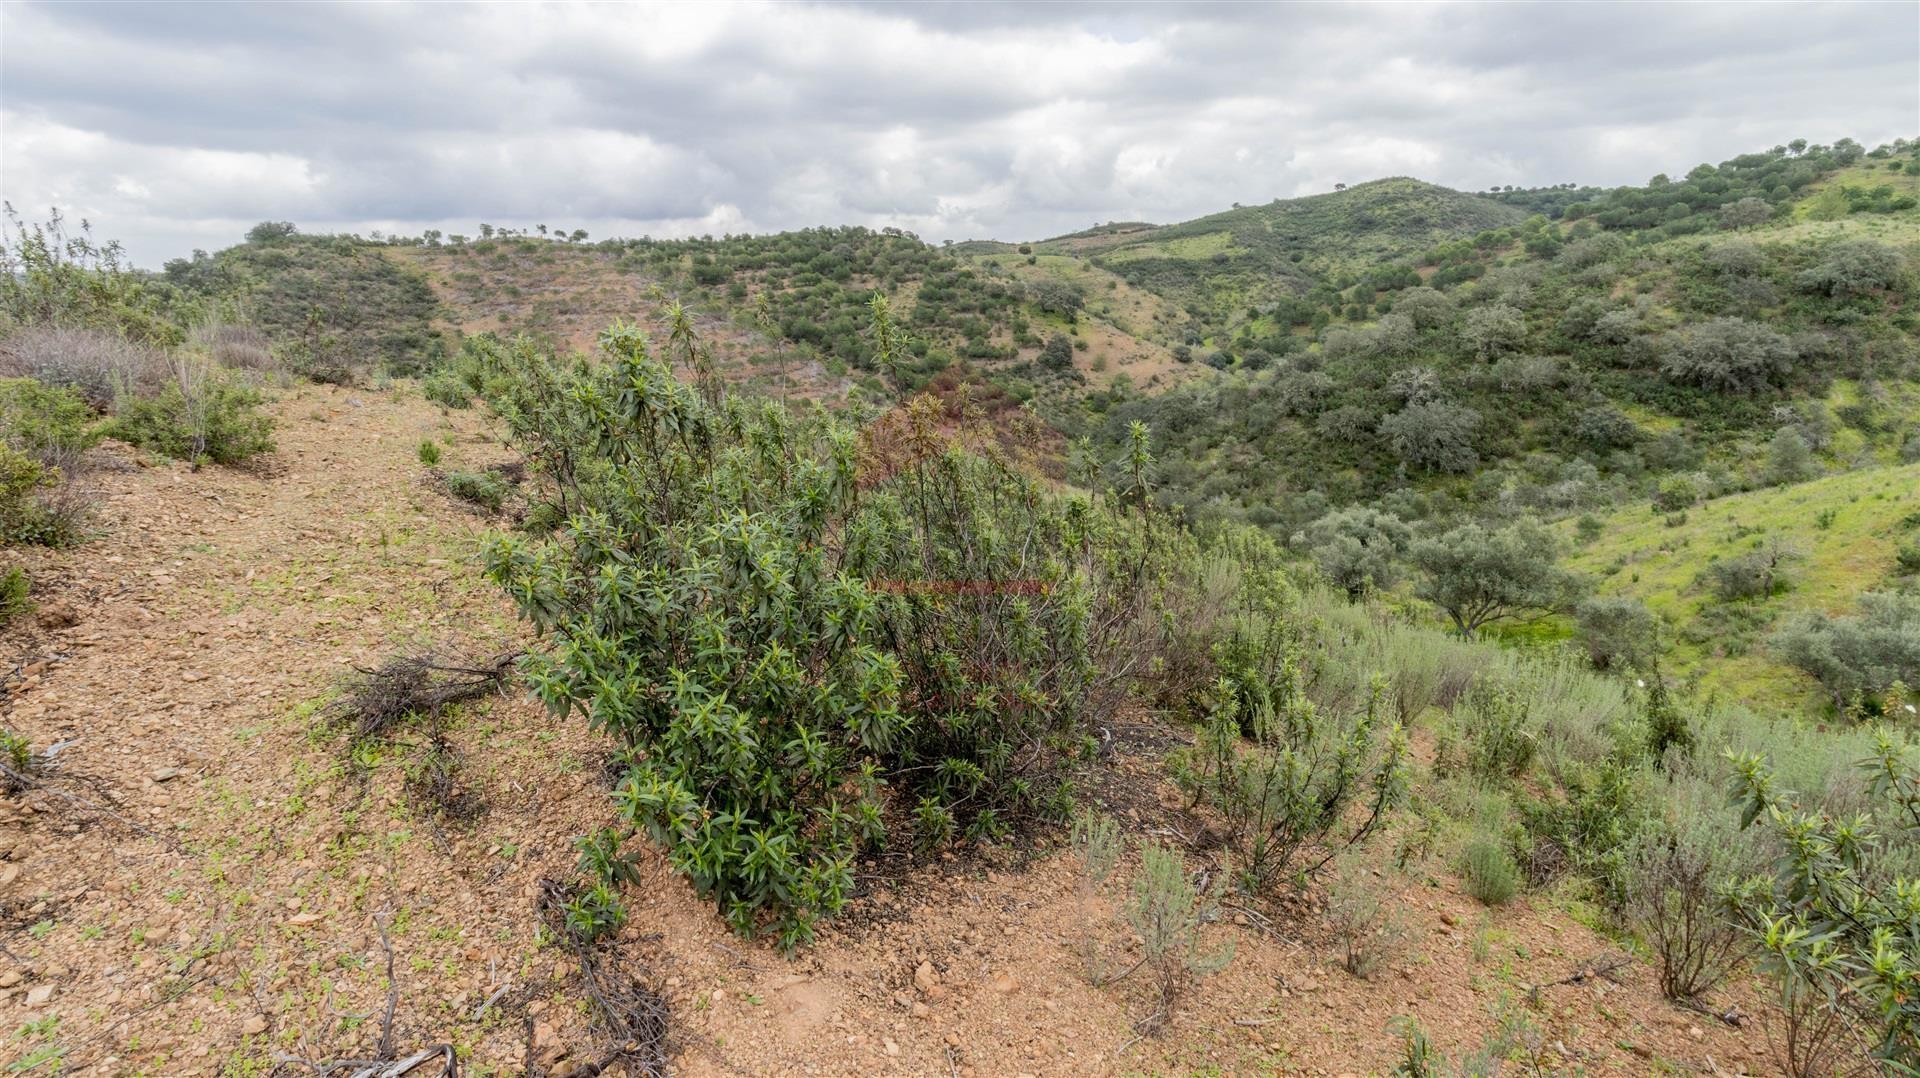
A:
<point x="892" y="1048"/>
<point x="1447" y="918"/>
<point x="166" y="774"/>
<point x="255" y="1024"/>
<point x="39" y="995"/>
<point x="1006" y="984"/>
<point x="919" y="1009"/>
<point x="9" y="978"/>
<point x="928" y="982"/>
<point x="302" y="920"/>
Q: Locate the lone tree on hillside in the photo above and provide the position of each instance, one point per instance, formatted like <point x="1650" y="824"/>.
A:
<point x="1477" y="575"/>
<point x="1745" y="213"/>
<point x="1058" y="353"/>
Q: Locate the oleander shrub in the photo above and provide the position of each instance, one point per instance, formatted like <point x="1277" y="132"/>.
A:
<point x="1837" y="919"/>
<point x="811" y="641"/>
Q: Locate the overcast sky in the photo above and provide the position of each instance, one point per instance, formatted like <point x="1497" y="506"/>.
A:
<point x="175" y="127"/>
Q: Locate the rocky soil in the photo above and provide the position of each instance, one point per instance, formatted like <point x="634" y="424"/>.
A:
<point x="208" y="882"/>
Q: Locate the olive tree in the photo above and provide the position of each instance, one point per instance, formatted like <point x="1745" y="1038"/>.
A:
<point x="1731" y="355"/>
<point x="1434" y="435"/>
<point x="1358" y="548"/>
<point x="1477" y="575"/>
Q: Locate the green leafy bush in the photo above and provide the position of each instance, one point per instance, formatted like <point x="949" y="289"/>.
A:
<point x="14" y="587"/>
<point x="1304" y="781"/>
<point x="199" y="416"/>
<point x="1618" y="632"/>
<point x="1859" y="657"/>
<point x="484" y="489"/>
<point x="24" y="518"/>
<point x="756" y="603"/>
<point x="52" y="424"/>
<point x="1838" y="920"/>
<point x="447" y="388"/>
<point x="1492" y="876"/>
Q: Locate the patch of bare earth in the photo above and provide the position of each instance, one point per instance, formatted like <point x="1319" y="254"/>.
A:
<point x="230" y="890"/>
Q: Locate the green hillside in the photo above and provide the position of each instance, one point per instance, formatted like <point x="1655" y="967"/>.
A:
<point x="1840" y="536"/>
<point x="1221" y="266"/>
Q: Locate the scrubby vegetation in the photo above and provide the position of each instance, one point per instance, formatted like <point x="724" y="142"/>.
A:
<point x="1431" y="559"/>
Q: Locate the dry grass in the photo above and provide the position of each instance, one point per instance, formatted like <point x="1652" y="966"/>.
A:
<point x="99" y="366"/>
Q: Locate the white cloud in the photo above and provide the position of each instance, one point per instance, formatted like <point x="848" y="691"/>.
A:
<point x="176" y="126"/>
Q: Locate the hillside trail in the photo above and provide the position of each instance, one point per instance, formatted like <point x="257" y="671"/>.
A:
<point x="212" y="884"/>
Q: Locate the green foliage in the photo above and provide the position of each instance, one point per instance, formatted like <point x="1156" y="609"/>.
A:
<point x="49" y="423"/>
<point x="1501" y="732"/>
<point x="1859" y="657"/>
<point x="1477" y="575"/>
<point x="429" y="452"/>
<point x="14" y="589"/>
<point x="447" y="389"/>
<point x="332" y="303"/>
<point x="1838" y="922"/>
<point x="1758" y="574"/>
<point x="753" y="609"/>
<point x="52" y="277"/>
<point x="1434" y="436"/>
<point x="1491" y="875"/>
<point x="1166" y="911"/>
<point x="1730" y="355"/>
<point x="201" y="415"/>
<point x="484" y="489"/>
<point x="24" y="518"/>
<point x="1359" y="549"/>
<point x="1305" y="781"/>
<point x="1058" y="353"/>
<point x="1617" y="631"/>
<point x="1789" y="460"/>
<point x="1853" y="268"/>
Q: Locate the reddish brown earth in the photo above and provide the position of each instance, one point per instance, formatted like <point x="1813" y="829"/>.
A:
<point x="225" y="917"/>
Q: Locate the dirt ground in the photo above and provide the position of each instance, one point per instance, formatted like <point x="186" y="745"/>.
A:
<point x="215" y="900"/>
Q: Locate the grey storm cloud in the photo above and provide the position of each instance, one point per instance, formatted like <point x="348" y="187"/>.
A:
<point x="174" y="126"/>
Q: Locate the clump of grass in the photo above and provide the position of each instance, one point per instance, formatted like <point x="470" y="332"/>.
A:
<point x="1492" y="875"/>
<point x="484" y="489"/>
<point x="429" y="452"/>
<point x="14" y="587"/>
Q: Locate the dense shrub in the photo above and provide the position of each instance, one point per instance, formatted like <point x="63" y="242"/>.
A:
<point x="1617" y="631"/>
<point x="1757" y="574"/>
<point x="1491" y="874"/>
<point x="53" y="425"/>
<point x="1434" y="436"/>
<point x="1838" y="920"/>
<point x="1852" y="268"/>
<point x="484" y="489"/>
<point x="1477" y="575"/>
<point x="1859" y="657"/>
<point x="1359" y="549"/>
<point x="1295" y="781"/>
<point x="201" y="415"/>
<point x="1730" y="355"/>
<point x="755" y="604"/>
